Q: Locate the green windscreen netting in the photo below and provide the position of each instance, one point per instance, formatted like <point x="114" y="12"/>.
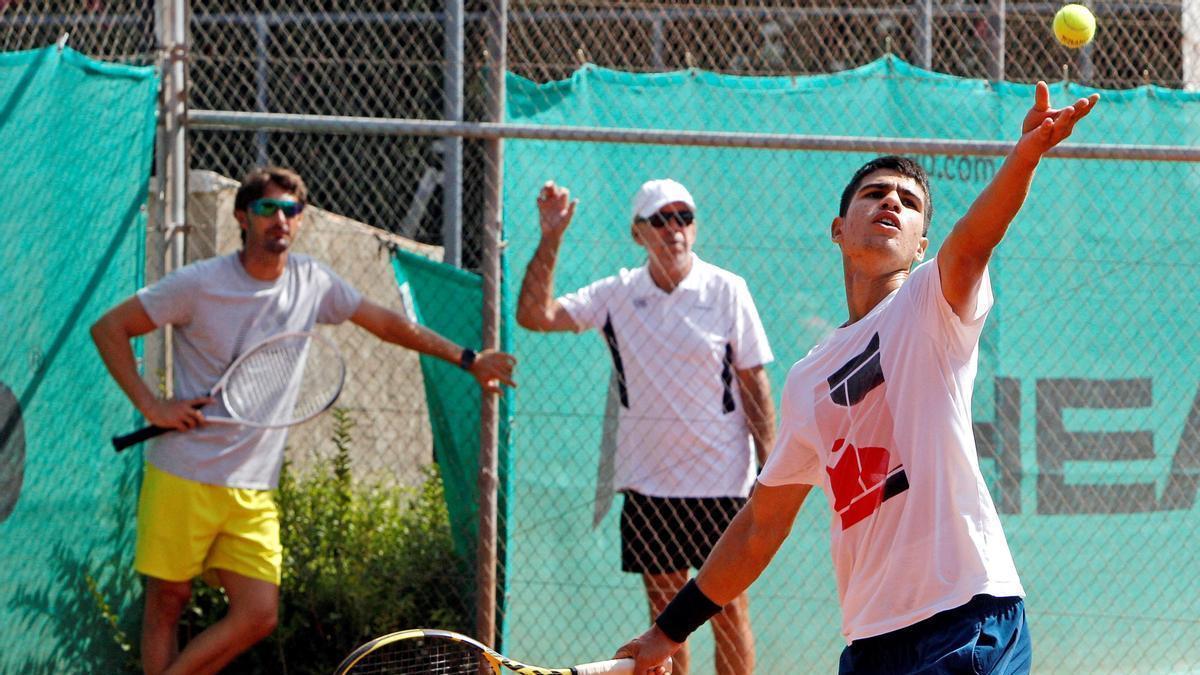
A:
<point x="449" y="301"/>
<point x="77" y="138"/>
<point x="1086" y="406"/>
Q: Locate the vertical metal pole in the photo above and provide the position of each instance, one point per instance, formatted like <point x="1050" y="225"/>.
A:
<point x="1087" y="69"/>
<point x="452" y="146"/>
<point x="489" y="422"/>
<point x="1191" y="44"/>
<point x="174" y="124"/>
<point x="171" y="159"/>
<point x="996" y="22"/>
<point x="925" y="33"/>
<point x="657" y="43"/>
<point x="155" y="345"/>
<point x="262" y="86"/>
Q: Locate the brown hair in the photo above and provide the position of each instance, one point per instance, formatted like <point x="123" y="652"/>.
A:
<point x="254" y="185"/>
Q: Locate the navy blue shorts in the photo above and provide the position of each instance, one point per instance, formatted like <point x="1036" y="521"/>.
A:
<point x="986" y="636"/>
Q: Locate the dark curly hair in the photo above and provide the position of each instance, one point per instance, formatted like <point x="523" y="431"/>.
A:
<point x="904" y="166"/>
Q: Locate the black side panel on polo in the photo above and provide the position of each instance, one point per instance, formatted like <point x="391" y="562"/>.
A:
<point x="610" y="336"/>
<point x="727" y="403"/>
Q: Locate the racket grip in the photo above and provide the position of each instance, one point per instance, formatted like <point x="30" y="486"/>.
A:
<point x="617" y="667"/>
<point x="143" y="434"/>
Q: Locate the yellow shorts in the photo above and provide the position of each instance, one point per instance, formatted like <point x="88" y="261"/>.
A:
<point x="187" y="529"/>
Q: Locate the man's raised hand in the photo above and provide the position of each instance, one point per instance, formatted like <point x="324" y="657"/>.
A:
<point x="555" y="209"/>
<point x="1045" y="127"/>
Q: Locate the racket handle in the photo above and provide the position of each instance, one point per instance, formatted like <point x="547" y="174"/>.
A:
<point x="617" y="667"/>
<point x="143" y="434"/>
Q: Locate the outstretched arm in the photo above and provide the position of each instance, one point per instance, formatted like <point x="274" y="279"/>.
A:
<point x="490" y="366"/>
<point x="740" y="556"/>
<point x="966" y="251"/>
<point x="537" y="309"/>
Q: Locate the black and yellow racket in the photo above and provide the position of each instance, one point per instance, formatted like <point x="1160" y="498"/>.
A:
<point x="441" y="652"/>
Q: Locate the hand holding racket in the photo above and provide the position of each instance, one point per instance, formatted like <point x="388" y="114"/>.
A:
<point x="650" y="652"/>
<point x="440" y="652"/>
<point x="180" y="415"/>
<point x="284" y="380"/>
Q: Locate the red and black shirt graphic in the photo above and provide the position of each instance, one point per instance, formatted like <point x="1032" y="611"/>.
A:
<point x="856" y="424"/>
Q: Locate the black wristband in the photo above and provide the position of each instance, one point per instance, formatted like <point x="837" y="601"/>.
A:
<point x="467" y="359"/>
<point x="686" y="612"/>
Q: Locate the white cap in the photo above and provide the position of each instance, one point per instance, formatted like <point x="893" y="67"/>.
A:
<point x="655" y="194"/>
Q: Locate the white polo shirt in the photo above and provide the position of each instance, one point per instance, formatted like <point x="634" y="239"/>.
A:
<point x="681" y="427"/>
<point x="879" y="415"/>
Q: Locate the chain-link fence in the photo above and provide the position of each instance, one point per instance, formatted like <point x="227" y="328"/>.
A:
<point x="1087" y="373"/>
<point x="385" y="59"/>
<point x="122" y="31"/>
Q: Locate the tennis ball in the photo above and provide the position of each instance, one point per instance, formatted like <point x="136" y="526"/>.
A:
<point x="1074" y="25"/>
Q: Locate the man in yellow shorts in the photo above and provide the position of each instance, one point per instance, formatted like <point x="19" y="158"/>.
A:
<point x="205" y="507"/>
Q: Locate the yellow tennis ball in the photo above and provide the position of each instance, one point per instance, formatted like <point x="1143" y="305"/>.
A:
<point x="1074" y="25"/>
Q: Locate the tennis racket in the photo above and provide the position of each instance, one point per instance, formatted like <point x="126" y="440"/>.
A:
<point x="284" y="380"/>
<point x="441" y="652"/>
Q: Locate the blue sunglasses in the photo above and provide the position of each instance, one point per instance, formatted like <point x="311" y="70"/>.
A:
<point x="269" y="207"/>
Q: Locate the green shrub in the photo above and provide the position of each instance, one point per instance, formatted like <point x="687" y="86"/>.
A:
<point x="359" y="560"/>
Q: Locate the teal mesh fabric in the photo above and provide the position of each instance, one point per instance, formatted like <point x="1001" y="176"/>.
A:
<point x="78" y="141"/>
<point x="450" y="300"/>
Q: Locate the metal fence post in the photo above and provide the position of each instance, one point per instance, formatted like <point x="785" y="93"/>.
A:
<point x="262" y="85"/>
<point x="996" y="39"/>
<point x="485" y="608"/>
<point x="924" y="33"/>
<point x="1190" y="44"/>
<point x="171" y="160"/>
<point x="452" y="149"/>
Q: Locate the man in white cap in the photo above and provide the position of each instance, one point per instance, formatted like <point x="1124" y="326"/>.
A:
<point x="688" y="351"/>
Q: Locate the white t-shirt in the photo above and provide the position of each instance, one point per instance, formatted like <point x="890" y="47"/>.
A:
<point x="681" y="429"/>
<point x="218" y="312"/>
<point x="879" y="415"/>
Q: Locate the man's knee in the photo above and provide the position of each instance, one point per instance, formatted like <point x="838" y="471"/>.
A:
<point x="264" y="624"/>
<point x="167" y="596"/>
<point x="256" y="618"/>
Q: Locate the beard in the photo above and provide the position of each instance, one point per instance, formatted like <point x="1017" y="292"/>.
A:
<point x="275" y="240"/>
<point x="280" y="245"/>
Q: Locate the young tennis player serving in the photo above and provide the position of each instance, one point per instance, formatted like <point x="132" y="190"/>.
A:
<point x="878" y="415"/>
<point x="205" y="506"/>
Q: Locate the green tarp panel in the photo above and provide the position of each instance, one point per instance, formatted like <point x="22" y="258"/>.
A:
<point x="77" y="139"/>
<point x="1087" y="407"/>
<point x="449" y="301"/>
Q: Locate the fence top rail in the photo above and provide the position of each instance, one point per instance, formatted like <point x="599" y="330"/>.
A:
<point x="328" y="124"/>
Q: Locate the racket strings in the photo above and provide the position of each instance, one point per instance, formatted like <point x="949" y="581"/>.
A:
<point x="285" y="380"/>
<point x="424" y="656"/>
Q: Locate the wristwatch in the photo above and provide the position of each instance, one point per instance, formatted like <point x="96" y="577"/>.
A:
<point x="467" y="359"/>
